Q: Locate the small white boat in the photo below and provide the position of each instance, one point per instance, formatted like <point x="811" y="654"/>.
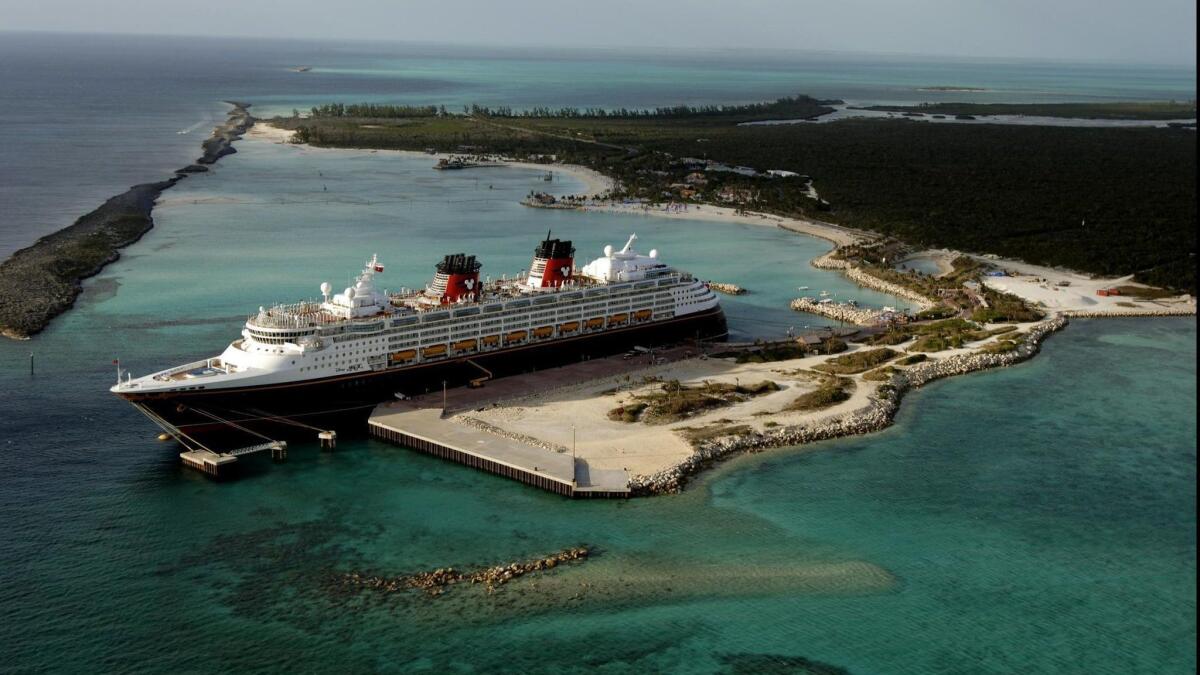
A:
<point x="802" y="288"/>
<point x="823" y="294"/>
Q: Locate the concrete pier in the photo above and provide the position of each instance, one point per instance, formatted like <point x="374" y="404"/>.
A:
<point x="425" y="430"/>
<point x="217" y="464"/>
<point x="208" y="462"/>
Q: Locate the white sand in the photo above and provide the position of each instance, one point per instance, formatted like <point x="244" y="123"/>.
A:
<point x="261" y="131"/>
<point x="644" y="449"/>
<point x="837" y="234"/>
<point x="1040" y="286"/>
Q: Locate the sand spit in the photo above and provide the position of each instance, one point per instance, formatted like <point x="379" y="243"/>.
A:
<point x="594" y="182"/>
<point x="879" y="412"/>
<point x="610" y="422"/>
<point x="42" y="281"/>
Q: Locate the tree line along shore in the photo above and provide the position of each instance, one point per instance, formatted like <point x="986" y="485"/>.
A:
<point x="42" y="281"/>
<point x="1122" y="110"/>
<point x="1108" y="201"/>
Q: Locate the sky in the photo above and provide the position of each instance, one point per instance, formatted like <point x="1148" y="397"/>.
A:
<point x="1141" y="31"/>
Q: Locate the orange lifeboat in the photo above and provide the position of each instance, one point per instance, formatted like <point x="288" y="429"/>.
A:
<point x="402" y="357"/>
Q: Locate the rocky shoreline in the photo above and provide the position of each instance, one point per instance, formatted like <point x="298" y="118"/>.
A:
<point x="838" y="311"/>
<point x="1132" y="312"/>
<point x="43" y="280"/>
<point x="877" y="415"/>
<point x="868" y="280"/>
<point x="728" y="289"/>
<point x="435" y="582"/>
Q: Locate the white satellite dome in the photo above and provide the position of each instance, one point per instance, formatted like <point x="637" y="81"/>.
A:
<point x="325" y="288"/>
<point x="653" y="253"/>
<point x="349" y="293"/>
<point x="608" y="251"/>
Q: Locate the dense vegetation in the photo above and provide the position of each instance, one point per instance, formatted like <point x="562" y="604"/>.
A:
<point x="676" y="401"/>
<point x="856" y="362"/>
<point x="1123" y="110"/>
<point x="788" y="107"/>
<point x="833" y="390"/>
<point x="1111" y="201"/>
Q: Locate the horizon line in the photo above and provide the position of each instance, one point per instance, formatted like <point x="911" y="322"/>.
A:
<point x="1189" y="65"/>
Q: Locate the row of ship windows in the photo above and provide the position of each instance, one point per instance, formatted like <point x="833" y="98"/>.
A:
<point x="564" y="314"/>
<point x="613" y="302"/>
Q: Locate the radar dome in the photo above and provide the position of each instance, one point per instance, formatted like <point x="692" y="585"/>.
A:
<point x="349" y="293"/>
<point x="608" y="251"/>
<point x="325" y="288"/>
<point x="653" y="253"/>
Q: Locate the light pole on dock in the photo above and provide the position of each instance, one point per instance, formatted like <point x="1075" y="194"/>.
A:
<point x="443" y="397"/>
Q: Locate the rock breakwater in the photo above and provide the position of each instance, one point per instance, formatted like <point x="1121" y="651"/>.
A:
<point x="876" y="415"/>
<point x="1184" y="309"/>
<point x="838" y="311"/>
<point x="42" y="281"/>
<point x="435" y="582"/>
<point x="728" y="289"/>
<point x="829" y="261"/>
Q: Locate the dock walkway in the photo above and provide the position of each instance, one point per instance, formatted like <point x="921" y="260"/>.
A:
<point x="425" y="429"/>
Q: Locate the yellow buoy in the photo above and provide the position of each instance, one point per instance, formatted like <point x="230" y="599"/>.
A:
<point x="164" y="436"/>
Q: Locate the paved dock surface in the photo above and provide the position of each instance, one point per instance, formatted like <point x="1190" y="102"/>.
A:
<point x="426" y="430"/>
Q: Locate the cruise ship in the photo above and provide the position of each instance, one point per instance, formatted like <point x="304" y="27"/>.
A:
<point x="330" y="361"/>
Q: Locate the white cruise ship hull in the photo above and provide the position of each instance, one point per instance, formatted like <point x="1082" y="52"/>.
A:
<point x="342" y="402"/>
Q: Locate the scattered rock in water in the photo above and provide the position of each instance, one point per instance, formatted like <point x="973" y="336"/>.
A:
<point x="728" y="289"/>
<point x="434" y="583"/>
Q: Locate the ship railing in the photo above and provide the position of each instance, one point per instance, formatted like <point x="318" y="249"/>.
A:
<point x="166" y="375"/>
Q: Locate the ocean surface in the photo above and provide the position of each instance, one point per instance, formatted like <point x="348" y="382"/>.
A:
<point x="89" y="115"/>
<point x="1039" y="518"/>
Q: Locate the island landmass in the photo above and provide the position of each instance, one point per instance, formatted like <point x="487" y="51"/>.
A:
<point x="43" y="280"/>
<point x="1063" y="200"/>
<point x="1122" y="110"/>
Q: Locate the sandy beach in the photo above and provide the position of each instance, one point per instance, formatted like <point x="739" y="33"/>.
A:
<point x="1077" y="294"/>
<point x="646" y="449"/>
<point x="594" y="182"/>
<point x="1065" y="291"/>
<point x="834" y="233"/>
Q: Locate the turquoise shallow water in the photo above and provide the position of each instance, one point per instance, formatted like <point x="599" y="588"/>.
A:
<point x="101" y="112"/>
<point x="1035" y="519"/>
